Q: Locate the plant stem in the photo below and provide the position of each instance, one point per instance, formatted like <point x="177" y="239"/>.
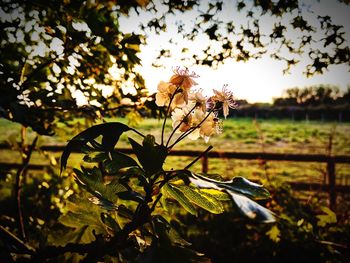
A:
<point x="167" y="113"/>
<point x="178" y="126"/>
<point x="155" y="202"/>
<point x="137" y="132"/>
<point x="183" y="136"/>
<point x="189" y="131"/>
<point x="10" y="238"/>
<point x="198" y="157"/>
<point x="18" y="185"/>
<point x="163" y="182"/>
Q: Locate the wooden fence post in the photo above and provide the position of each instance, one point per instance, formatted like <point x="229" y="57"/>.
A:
<point x="205" y="164"/>
<point x="331" y="183"/>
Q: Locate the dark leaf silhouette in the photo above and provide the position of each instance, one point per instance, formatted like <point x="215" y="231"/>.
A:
<point x="110" y="133"/>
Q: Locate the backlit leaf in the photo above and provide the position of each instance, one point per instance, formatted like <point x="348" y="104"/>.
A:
<point x="274" y="234"/>
<point x="219" y="195"/>
<point x="95" y="157"/>
<point x="239" y="185"/>
<point x="112" y="161"/>
<point x="85" y="220"/>
<point x="179" y="197"/>
<point x="238" y="190"/>
<point x="252" y="209"/>
<point x="105" y="195"/>
<point x="205" y="201"/>
<point x="328" y="218"/>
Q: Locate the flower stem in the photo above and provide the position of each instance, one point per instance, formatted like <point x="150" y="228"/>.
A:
<point x="178" y="126"/>
<point x="189" y="131"/>
<point x="167" y="113"/>
<point x="198" y="157"/>
<point x="167" y="178"/>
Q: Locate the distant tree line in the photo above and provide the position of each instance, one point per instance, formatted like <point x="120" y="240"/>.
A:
<point x="322" y="102"/>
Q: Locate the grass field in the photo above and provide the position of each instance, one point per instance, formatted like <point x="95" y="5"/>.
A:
<point x="239" y="135"/>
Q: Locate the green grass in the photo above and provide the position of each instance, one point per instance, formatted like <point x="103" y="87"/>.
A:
<point x="269" y="136"/>
<point x="240" y="135"/>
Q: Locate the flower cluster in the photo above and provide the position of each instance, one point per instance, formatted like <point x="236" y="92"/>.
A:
<point x="192" y="114"/>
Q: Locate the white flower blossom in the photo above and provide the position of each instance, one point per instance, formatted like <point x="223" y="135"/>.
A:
<point x="183" y="78"/>
<point x="165" y="91"/>
<point x="225" y="97"/>
<point x="199" y="100"/>
<point x="189" y="108"/>
<point x="208" y="127"/>
<point x="183" y="118"/>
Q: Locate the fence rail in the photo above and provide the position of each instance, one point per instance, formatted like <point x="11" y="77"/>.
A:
<point x="331" y="162"/>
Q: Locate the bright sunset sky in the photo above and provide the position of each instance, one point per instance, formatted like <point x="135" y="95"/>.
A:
<point x="256" y="80"/>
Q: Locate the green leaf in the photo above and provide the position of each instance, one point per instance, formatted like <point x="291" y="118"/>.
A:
<point x="183" y="175"/>
<point x="252" y="209"/>
<point x="274" y="234"/>
<point x="239" y="185"/>
<point x="132" y="195"/>
<point x="85" y="220"/>
<point x="219" y="195"/>
<point x="118" y="161"/>
<point x="125" y="212"/>
<point x="237" y="189"/>
<point x="105" y="194"/>
<point x="150" y="156"/>
<point x="95" y="157"/>
<point x="328" y="218"/>
<point x="110" y="133"/>
<point x="176" y="194"/>
<point x="166" y="233"/>
<point x="169" y="246"/>
<point x="205" y="201"/>
<point x="112" y="161"/>
<point x="110" y="222"/>
<point x="244" y="186"/>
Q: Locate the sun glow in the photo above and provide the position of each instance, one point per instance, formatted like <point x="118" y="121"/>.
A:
<point x="257" y="80"/>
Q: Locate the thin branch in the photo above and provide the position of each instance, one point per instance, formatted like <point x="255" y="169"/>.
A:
<point x="38" y="68"/>
<point x="189" y="131"/>
<point x="155" y="202"/>
<point x="14" y="241"/>
<point x="182" y="136"/>
<point x="198" y="157"/>
<point x="119" y="107"/>
<point x="137" y="132"/>
<point x="330" y="243"/>
<point x="18" y="185"/>
<point x="167" y="179"/>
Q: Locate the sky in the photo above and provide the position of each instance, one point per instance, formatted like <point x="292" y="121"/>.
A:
<point x="257" y="80"/>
